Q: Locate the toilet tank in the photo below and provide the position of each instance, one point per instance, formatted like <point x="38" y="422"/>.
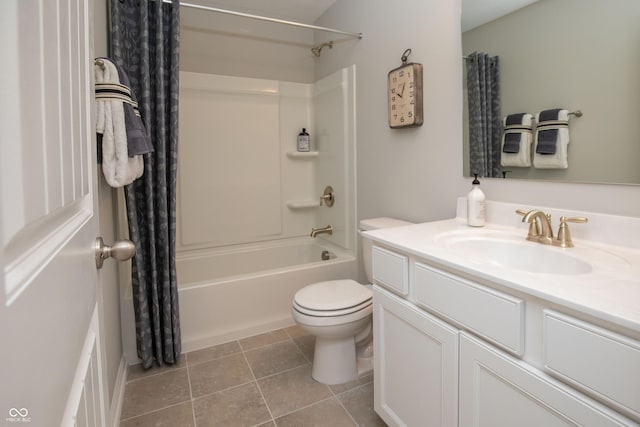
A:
<point x="365" y="244"/>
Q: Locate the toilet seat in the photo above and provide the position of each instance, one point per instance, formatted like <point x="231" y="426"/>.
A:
<point x="332" y="298"/>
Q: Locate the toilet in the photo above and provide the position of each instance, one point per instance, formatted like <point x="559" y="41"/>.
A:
<point x="339" y="314"/>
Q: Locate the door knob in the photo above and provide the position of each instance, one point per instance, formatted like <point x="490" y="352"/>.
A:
<point x="121" y="250"/>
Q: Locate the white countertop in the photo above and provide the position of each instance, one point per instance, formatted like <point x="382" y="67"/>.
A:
<point x="610" y="291"/>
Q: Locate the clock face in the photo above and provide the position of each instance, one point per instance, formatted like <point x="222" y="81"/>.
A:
<point x="405" y="96"/>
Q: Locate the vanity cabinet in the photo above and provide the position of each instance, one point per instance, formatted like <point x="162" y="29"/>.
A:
<point x="451" y="352"/>
<point x="499" y="390"/>
<point x="416" y="364"/>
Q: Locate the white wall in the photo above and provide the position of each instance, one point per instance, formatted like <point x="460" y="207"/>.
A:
<point x="214" y="43"/>
<point x="416" y="174"/>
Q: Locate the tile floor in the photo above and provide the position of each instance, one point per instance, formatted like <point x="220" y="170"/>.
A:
<point x="262" y="381"/>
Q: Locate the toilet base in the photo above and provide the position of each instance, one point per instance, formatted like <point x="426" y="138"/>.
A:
<point x="337" y="361"/>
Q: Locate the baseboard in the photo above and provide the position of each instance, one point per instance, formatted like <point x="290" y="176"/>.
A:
<point x="118" y="394"/>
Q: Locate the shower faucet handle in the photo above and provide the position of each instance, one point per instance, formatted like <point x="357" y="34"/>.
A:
<point x="327" y="197"/>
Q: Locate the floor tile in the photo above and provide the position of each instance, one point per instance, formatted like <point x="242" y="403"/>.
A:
<point x="359" y="403"/>
<point x="275" y="358"/>
<point x="263" y="339"/>
<point x="219" y="374"/>
<point x="292" y="390"/>
<point x="329" y="413"/>
<point x="362" y="380"/>
<point x="307" y="345"/>
<point x="212" y="353"/>
<point x="179" y="415"/>
<point x="239" y="406"/>
<point x="296" y="331"/>
<point x="155" y="392"/>
<point x="137" y="371"/>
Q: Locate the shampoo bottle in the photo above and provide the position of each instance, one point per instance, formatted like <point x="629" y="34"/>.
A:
<point x="476" y="205"/>
<point x="304" y="144"/>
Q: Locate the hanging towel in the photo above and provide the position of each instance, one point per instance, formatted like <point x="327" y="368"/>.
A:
<point x="138" y="141"/>
<point x="516" y="141"/>
<point x="552" y="139"/>
<point x="118" y="167"/>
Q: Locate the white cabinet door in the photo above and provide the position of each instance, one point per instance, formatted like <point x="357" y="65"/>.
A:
<point x="498" y="390"/>
<point x="416" y="364"/>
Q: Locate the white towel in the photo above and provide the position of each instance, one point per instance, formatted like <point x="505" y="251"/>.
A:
<point x="521" y="159"/>
<point x="119" y="169"/>
<point x="558" y="160"/>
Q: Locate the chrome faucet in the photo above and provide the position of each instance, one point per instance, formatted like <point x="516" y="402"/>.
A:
<point x="322" y="230"/>
<point x="544" y="233"/>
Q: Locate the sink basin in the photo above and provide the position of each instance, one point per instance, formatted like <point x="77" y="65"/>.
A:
<point x="514" y="253"/>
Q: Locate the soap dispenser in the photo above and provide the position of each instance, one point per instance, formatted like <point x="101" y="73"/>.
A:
<point x="476" y="205"/>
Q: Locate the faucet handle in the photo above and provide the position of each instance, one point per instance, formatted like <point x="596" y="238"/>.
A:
<point x="534" y="230"/>
<point x="564" y="237"/>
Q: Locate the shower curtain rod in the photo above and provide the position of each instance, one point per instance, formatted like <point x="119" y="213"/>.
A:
<point x="265" y="18"/>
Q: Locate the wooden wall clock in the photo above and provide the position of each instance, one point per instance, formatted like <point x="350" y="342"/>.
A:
<point x="404" y="88"/>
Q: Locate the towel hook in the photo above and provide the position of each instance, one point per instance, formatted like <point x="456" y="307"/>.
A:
<point x="576" y="113"/>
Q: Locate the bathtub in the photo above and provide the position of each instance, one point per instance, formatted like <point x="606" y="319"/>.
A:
<point x="232" y="293"/>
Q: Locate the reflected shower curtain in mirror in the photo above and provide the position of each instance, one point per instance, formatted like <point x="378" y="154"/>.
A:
<point x="485" y="127"/>
<point x="145" y="41"/>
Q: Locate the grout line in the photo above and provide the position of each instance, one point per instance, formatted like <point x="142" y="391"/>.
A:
<point x="160" y="371"/>
<point x="215" y="358"/>
<point x="193" y="410"/>
<point x="155" y="410"/>
<point x="258" y="387"/>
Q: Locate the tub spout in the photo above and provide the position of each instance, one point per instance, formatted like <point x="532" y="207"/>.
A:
<point x="328" y="230"/>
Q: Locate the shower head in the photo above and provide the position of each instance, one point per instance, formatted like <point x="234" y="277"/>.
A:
<point x="317" y="49"/>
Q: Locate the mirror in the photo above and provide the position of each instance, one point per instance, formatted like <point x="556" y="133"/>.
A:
<point x="574" y="54"/>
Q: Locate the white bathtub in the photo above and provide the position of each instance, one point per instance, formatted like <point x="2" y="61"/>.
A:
<point x="232" y="293"/>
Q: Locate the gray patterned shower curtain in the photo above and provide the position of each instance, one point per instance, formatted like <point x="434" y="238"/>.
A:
<point x="144" y="42"/>
<point x="485" y="127"/>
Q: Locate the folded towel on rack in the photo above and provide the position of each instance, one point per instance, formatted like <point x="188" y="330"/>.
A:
<point x="551" y="139"/>
<point x="516" y="140"/>
<point x="118" y="167"/>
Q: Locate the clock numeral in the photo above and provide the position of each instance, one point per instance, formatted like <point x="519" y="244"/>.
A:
<point x="401" y="73"/>
<point x="393" y="90"/>
<point x="393" y="107"/>
<point x="395" y="116"/>
<point x="393" y="99"/>
<point x="412" y="102"/>
<point x="410" y="85"/>
<point x="402" y="119"/>
<point x="409" y="114"/>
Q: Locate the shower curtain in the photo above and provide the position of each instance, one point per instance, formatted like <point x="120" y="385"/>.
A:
<point x="483" y="86"/>
<point x="144" y="41"/>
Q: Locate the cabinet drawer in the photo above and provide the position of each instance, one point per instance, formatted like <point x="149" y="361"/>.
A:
<point x="495" y="316"/>
<point x="391" y="270"/>
<point x="595" y="360"/>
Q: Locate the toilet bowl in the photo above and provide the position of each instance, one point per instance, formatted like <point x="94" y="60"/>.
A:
<point x="339" y="314"/>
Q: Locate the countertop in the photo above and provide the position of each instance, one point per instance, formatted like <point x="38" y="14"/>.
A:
<point x="610" y="291"/>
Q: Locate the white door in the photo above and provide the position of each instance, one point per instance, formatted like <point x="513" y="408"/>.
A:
<point x="50" y="345"/>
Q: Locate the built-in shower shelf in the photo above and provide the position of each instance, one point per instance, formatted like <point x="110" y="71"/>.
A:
<point x="302" y="154"/>
<point x="303" y="204"/>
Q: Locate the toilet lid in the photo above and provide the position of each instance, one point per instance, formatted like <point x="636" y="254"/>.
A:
<point x="332" y="295"/>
